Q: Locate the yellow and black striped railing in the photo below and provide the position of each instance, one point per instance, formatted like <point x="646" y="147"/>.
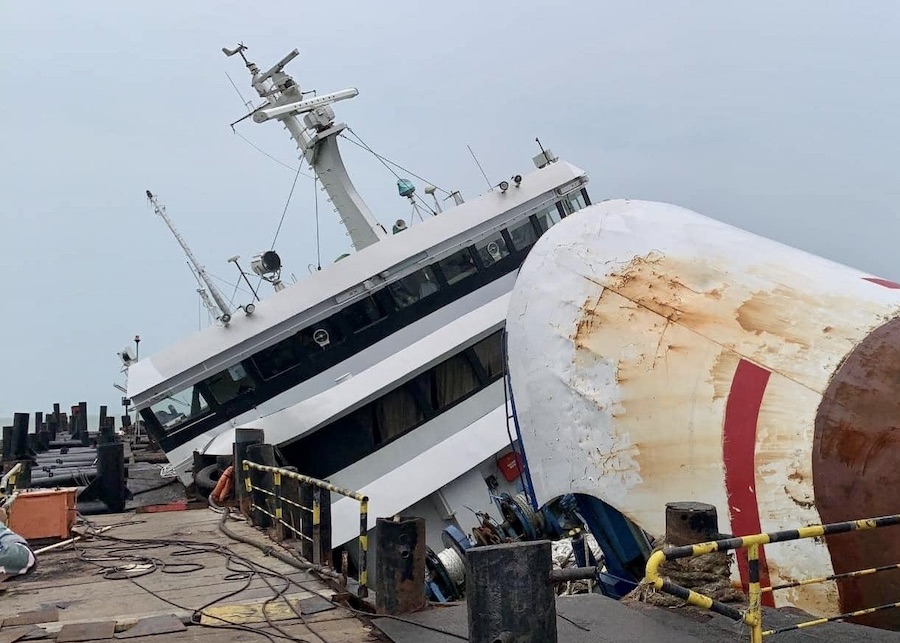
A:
<point x="753" y="615"/>
<point x="279" y="500"/>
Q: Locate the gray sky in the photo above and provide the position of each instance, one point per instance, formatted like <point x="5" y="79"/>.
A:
<point x="783" y="120"/>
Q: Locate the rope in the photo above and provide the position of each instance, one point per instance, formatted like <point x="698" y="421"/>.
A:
<point x="454" y="565"/>
<point x="264" y="153"/>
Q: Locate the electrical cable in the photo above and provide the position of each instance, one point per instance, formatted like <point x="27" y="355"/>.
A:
<point x="264" y="153"/>
<point x="287" y="203"/>
<point x="385" y="161"/>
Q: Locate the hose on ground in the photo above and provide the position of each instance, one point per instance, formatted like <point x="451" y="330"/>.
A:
<point x="268" y="550"/>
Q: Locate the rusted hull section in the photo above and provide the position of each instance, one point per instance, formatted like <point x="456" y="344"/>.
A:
<point x="658" y="355"/>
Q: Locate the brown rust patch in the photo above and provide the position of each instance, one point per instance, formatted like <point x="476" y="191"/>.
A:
<point x="773" y="312"/>
<point x="855" y="474"/>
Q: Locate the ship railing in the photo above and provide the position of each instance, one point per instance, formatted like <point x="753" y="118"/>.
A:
<point x="304" y="511"/>
<point x="752" y="616"/>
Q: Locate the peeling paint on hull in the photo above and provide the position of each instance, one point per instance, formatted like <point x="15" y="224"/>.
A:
<point x="633" y="327"/>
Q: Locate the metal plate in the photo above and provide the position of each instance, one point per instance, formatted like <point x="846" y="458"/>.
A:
<point x="153" y="625"/>
<point x="76" y="632"/>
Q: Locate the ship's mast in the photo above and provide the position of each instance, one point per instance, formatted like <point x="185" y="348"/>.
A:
<point x="160" y="209"/>
<point x="316" y="138"/>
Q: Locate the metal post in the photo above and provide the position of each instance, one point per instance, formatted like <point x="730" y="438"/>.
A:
<point x="509" y="594"/>
<point x="364" y="547"/>
<point x="83" y="433"/>
<point x="279" y="509"/>
<point x="754" y="610"/>
<point x="325" y="527"/>
<point x="111" y="474"/>
<point x="400" y="565"/>
<point x="7" y="443"/>
<point x="307" y="547"/>
<point x="317" y="524"/>
<point x="261" y="482"/>
<point x="243" y="439"/>
<point x="20" y="436"/>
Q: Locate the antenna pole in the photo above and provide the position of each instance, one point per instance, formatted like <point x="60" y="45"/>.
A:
<point x="160" y="209"/>
<point x="490" y="187"/>
<point x="316" y="139"/>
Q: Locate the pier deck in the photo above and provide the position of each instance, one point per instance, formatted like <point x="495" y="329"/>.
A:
<point x="172" y="564"/>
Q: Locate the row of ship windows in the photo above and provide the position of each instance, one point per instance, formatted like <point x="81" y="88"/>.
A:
<point x="304" y="351"/>
<point x="361" y="433"/>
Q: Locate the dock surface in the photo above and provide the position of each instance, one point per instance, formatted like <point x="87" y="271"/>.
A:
<point x="150" y="574"/>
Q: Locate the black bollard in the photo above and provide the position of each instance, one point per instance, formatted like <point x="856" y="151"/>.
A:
<point x="83" y="433"/>
<point x="55" y="426"/>
<point x="111" y="474"/>
<point x="263" y="503"/>
<point x="20" y="436"/>
<point x="399" y="565"/>
<point x="509" y="594"/>
<point x="689" y="523"/>
<point x="243" y="439"/>
<point x="7" y="443"/>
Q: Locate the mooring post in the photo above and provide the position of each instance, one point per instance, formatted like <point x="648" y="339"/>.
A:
<point x="83" y="433"/>
<point x="55" y="426"/>
<point x="111" y="474"/>
<point x="509" y="593"/>
<point x="7" y="443"/>
<point x="262" y="482"/>
<point x="399" y="565"/>
<point x="689" y="523"/>
<point x="243" y="439"/>
<point x="20" y="436"/>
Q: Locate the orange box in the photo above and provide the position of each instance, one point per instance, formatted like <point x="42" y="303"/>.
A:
<point x="43" y="513"/>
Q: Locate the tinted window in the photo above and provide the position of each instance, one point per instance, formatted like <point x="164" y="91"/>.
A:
<point x="523" y="235"/>
<point x="458" y="266"/>
<point x="492" y="249"/>
<point x="548" y="218"/>
<point x="414" y="287"/>
<point x="490" y="353"/>
<point x="279" y="358"/>
<point x="575" y="202"/>
<point x="396" y="413"/>
<point x="454" y="379"/>
<point x="362" y="314"/>
<point x="230" y="383"/>
<point x="180" y="407"/>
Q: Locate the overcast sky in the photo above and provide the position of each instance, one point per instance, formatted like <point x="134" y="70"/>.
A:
<point x="782" y="118"/>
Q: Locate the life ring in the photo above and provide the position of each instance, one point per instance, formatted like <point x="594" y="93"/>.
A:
<point x="224" y="486"/>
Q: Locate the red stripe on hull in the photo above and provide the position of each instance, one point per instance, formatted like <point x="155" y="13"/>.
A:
<point x="883" y="282"/>
<point x="738" y="453"/>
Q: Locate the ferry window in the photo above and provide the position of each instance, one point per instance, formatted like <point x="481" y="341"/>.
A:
<point x="279" y="358"/>
<point x="492" y="249"/>
<point x="396" y="413"/>
<point x="522" y="235"/>
<point x="414" y="287"/>
<point x="229" y="384"/>
<point x="180" y="407"/>
<point x="575" y="202"/>
<point x="454" y="379"/>
<point x="490" y="353"/>
<point x="363" y="314"/>
<point x="548" y="218"/>
<point x="458" y="266"/>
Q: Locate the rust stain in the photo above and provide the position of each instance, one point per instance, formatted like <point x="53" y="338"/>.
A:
<point x="855" y="474"/>
<point x="773" y="312"/>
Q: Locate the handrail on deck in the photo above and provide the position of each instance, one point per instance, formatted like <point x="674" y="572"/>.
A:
<point x="313" y="535"/>
<point x="753" y="615"/>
